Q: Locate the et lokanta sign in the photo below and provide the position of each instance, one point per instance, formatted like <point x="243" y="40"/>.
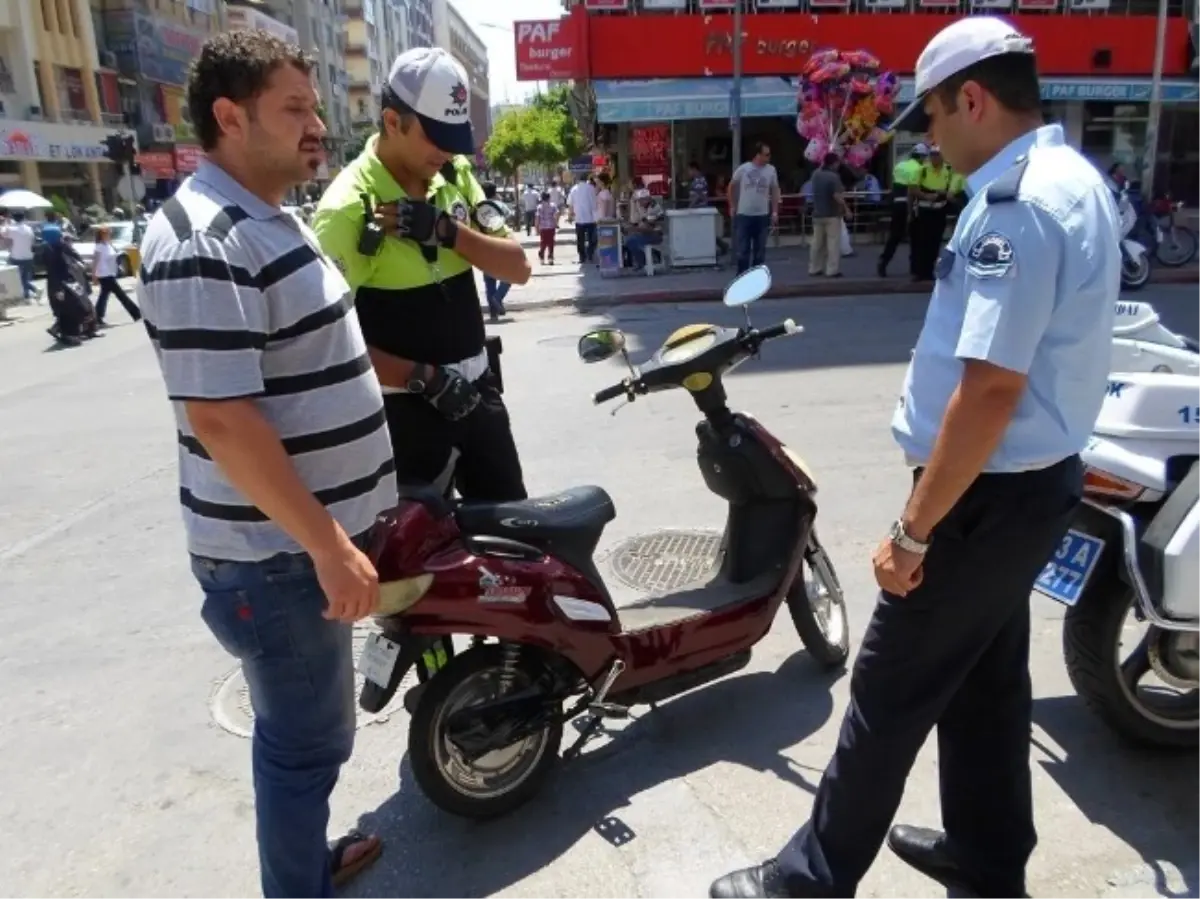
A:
<point x="546" y="49"/>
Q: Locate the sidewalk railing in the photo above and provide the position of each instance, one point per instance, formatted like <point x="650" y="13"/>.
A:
<point x="870" y="215"/>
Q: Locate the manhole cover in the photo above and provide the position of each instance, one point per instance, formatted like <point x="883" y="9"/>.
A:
<point x="230" y="704"/>
<point x="665" y="560"/>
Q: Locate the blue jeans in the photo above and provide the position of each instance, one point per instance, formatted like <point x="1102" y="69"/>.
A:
<point x="495" y="292"/>
<point x="300" y="670"/>
<point x="25" y="269"/>
<point x="636" y="244"/>
<point x="750" y="234"/>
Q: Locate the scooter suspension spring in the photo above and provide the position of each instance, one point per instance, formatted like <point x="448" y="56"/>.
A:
<point x="508" y="671"/>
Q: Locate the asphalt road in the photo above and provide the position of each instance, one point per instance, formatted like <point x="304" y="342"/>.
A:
<point x="118" y="780"/>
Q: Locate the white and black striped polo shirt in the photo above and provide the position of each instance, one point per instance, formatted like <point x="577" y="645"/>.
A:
<point x="240" y="302"/>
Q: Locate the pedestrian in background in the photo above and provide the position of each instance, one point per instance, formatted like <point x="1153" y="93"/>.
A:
<point x="529" y="204"/>
<point x="494" y="291"/>
<point x="19" y="237"/>
<point x="1000" y="397"/>
<point x="829" y="211"/>
<point x="284" y="457"/>
<point x="104" y="273"/>
<point x="547" y="226"/>
<point x="582" y="203"/>
<point x="929" y="224"/>
<point x="904" y="178"/>
<point x="753" y="198"/>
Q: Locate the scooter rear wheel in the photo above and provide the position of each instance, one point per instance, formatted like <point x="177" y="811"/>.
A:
<point x="818" y="609"/>
<point x="499" y="781"/>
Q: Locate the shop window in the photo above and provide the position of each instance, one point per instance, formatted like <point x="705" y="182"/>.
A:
<point x="1115" y="132"/>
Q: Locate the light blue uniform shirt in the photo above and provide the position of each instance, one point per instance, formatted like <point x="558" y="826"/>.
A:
<point x="1028" y="285"/>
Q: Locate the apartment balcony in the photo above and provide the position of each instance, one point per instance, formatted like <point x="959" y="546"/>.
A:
<point x="112" y="119"/>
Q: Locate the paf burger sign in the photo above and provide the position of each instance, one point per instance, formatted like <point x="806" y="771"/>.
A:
<point x="546" y="49"/>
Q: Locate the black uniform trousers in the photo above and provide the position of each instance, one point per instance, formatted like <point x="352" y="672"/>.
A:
<point x="488" y="468"/>
<point x="897" y="231"/>
<point x="927" y="230"/>
<point x="953" y="654"/>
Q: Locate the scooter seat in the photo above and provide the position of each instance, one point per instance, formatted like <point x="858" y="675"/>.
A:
<point x="567" y="524"/>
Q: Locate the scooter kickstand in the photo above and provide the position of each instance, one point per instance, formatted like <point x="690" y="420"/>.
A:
<point x="598" y="710"/>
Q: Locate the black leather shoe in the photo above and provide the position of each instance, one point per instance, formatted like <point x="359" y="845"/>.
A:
<point x="761" y="880"/>
<point x="925" y="850"/>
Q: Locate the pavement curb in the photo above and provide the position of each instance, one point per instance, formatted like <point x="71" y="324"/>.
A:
<point x="818" y="287"/>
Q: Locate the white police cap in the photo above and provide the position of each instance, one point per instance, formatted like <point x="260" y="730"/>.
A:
<point x="433" y="84"/>
<point x="956" y="47"/>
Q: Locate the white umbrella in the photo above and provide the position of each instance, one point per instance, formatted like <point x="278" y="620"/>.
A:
<point x="24" y="199"/>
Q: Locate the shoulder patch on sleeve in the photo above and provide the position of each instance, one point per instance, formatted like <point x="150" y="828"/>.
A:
<point x="991" y="256"/>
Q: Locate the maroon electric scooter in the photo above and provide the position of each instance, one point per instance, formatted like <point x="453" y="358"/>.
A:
<point x="546" y="642"/>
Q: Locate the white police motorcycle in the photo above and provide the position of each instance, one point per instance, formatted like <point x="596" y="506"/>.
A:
<point x="1134" y="544"/>
<point x="1142" y="343"/>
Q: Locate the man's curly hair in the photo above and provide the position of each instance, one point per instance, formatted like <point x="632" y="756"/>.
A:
<point x="235" y="65"/>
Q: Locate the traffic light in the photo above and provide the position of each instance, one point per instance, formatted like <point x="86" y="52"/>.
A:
<point x="120" y="148"/>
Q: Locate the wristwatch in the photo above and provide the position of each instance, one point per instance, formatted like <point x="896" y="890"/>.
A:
<point x="909" y="544"/>
<point x="416" y="383"/>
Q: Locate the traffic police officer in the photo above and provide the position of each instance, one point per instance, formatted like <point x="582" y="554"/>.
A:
<point x="904" y="175"/>
<point x="404" y="223"/>
<point x="931" y="194"/>
<point x="1005" y="383"/>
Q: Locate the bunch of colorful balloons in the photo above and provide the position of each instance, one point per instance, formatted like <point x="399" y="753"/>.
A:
<point x="843" y="100"/>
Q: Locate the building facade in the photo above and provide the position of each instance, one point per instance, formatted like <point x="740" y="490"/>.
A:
<point x="662" y="67"/>
<point x="150" y="53"/>
<point x="57" y="104"/>
<point x="391" y="30"/>
<point x="317" y="27"/>
<point x="455" y="34"/>
<point x="365" y="67"/>
<point x="419" y="16"/>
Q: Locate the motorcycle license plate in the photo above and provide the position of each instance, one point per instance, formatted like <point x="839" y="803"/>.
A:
<point x="378" y="659"/>
<point x="1066" y="574"/>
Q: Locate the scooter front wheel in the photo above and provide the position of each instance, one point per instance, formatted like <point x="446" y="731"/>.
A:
<point x="498" y="781"/>
<point x="818" y="608"/>
<point x="1135" y="271"/>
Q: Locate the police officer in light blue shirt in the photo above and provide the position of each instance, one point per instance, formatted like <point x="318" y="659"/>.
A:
<point x="1004" y="386"/>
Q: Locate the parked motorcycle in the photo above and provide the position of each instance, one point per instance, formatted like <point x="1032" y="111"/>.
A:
<point x="547" y="643"/>
<point x="1135" y="257"/>
<point x="1133" y="547"/>
<point x="1142" y="343"/>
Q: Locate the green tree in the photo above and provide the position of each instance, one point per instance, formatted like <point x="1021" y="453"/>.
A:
<point x="556" y="101"/>
<point x="533" y="134"/>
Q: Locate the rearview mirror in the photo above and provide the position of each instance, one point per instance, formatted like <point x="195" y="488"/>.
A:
<point x="596" y="346"/>
<point x="748" y="286"/>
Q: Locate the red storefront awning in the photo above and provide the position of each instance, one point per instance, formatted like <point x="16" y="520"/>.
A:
<point x="690" y="46"/>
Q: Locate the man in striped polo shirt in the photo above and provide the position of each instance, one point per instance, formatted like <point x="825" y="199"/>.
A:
<point x="284" y="456"/>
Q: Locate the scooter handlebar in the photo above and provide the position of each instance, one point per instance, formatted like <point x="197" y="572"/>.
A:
<point x="785" y="327"/>
<point x="609" y="393"/>
<point x="750" y="342"/>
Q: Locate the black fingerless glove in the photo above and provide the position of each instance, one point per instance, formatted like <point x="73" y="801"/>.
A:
<point x="453" y="396"/>
<point x="426" y="224"/>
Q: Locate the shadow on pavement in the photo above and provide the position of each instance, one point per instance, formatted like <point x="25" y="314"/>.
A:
<point x="750" y="720"/>
<point x="1146" y="798"/>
